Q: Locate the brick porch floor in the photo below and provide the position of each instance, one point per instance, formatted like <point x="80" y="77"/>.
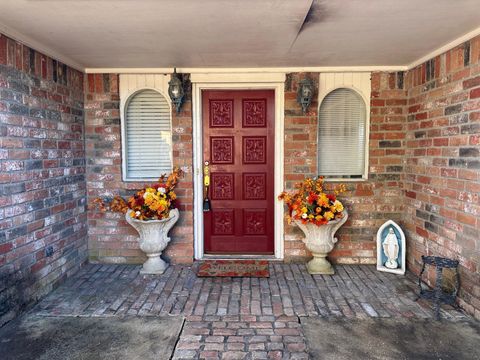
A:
<point x="238" y="318"/>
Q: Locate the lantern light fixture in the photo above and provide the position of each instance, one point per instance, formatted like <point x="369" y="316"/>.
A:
<point x="305" y="93"/>
<point x="176" y="91"/>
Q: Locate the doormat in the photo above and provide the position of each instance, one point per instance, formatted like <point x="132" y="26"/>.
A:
<point x="234" y="268"/>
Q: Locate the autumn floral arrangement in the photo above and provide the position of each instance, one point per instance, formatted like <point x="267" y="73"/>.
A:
<point x="311" y="204"/>
<point x="151" y="203"/>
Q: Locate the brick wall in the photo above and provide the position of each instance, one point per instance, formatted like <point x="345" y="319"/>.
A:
<point x="42" y="184"/>
<point x="443" y="164"/>
<point x="370" y="203"/>
<point x="111" y="239"/>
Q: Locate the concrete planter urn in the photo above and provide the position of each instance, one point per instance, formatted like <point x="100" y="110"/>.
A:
<point x="320" y="241"/>
<point x="153" y="240"/>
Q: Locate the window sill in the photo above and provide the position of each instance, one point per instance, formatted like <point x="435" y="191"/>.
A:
<point x="140" y="180"/>
<point x="345" y="180"/>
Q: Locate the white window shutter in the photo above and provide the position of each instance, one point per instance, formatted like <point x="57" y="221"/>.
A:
<point x="342" y="134"/>
<point x="148" y="133"/>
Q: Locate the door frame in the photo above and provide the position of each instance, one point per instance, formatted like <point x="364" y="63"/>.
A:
<point x="237" y="81"/>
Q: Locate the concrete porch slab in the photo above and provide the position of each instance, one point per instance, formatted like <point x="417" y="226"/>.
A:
<point x="78" y="338"/>
<point x="380" y="339"/>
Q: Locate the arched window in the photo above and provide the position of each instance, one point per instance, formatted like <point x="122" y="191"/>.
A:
<point x="148" y="136"/>
<point x="342" y="122"/>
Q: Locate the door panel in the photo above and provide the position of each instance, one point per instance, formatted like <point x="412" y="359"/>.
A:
<point x="238" y="138"/>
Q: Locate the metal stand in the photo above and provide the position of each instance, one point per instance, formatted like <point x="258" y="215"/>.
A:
<point x="437" y="294"/>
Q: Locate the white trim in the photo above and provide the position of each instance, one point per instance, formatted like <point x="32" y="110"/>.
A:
<point x="259" y="70"/>
<point x="252" y="77"/>
<point x="276" y="83"/>
<point x="449" y="46"/>
<point x="40" y="47"/>
<point x="345" y="180"/>
<point x="361" y="83"/>
<point x="130" y="84"/>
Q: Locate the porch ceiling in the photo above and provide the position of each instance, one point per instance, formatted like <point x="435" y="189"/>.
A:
<point x="247" y="33"/>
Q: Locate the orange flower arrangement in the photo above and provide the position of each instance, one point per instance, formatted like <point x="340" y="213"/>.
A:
<point x="151" y="203"/>
<point x="310" y="204"/>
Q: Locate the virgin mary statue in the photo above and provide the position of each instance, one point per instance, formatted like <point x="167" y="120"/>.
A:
<point x="391" y="249"/>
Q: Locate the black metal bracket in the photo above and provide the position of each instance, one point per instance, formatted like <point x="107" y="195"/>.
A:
<point x="437" y="294"/>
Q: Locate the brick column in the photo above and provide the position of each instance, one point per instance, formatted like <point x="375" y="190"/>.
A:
<point x="442" y="175"/>
<point x="42" y="175"/>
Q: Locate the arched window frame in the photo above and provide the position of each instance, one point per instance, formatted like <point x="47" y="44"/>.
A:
<point x="129" y="86"/>
<point x="360" y="82"/>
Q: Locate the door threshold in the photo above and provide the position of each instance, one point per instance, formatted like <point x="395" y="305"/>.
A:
<point x="239" y="257"/>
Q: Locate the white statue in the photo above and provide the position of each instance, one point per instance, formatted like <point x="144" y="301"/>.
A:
<point x="391" y="249"/>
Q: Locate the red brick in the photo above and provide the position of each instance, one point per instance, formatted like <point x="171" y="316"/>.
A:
<point x="474" y="140"/>
<point x="422" y="232"/>
<point x="377" y="102"/>
<point x="449" y="172"/>
<point x="414" y="109"/>
<point x="5" y="247"/>
<point x="440" y="142"/>
<point x="470" y="83"/>
<point x="424" y="179"/>
<point x="3" y="49"/>
<point x="475" y="116"/>
<point x="475" y="50"/>
<point x="11" y="52"/>
<point x="421" y="116"/>
<point x="475" y="93"/>
<point x="91" y="83"/>
<point x="18" y="56"/>
<point x="466" y="219"/>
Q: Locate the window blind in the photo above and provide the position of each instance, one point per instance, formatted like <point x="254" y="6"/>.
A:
<point x="148" y="136"/>
<point x="342" y="134"/>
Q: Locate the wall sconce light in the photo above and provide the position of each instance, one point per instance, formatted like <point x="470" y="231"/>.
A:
<point x="305" y="93"/>
<point x="175" y="90"/>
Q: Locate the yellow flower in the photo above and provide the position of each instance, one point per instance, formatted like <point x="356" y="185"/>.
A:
<point x="154" y="206"/>
<point x="323" y="200"/>
<point x="338" y="206"/>
<point x="304" y="210"/>
<point x="149" y="199"/>
<point x="329" y="215"/>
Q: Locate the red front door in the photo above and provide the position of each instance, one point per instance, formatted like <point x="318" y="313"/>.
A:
<point x="238" y="140"/>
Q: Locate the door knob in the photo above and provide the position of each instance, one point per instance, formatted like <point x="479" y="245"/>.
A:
<point x="206" y="184"/>
<point x="206" y="174"/>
